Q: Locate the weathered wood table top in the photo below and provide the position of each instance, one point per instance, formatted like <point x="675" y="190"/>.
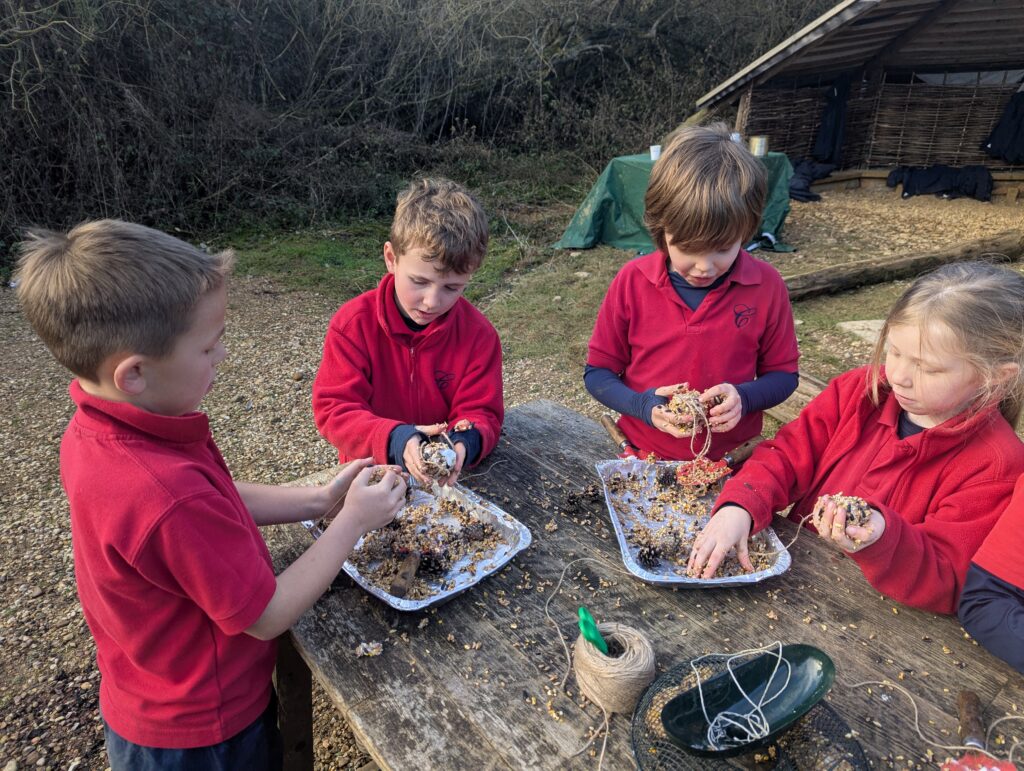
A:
<point x="473" y="683"/>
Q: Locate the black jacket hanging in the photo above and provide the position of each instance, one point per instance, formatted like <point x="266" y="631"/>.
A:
<point x="1007" y="138"/>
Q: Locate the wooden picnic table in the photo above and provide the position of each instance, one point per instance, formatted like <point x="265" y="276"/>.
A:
<point x="473" y="683"/>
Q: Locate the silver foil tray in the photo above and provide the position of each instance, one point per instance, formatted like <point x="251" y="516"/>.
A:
<point x="666" y="573"/>
<point x="514" y="537"/>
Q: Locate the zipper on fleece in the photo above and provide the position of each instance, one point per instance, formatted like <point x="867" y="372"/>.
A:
<point x="412" y="377"/>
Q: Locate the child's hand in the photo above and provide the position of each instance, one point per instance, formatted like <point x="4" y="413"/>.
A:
<point x="728" y="528"/>
<point x="460" y="458"/>
<point x="332" y="494"/>
<point x="414" y="461"/>
<point x="432" y="430"/>
<point x="678" y="426"/>
<point x="830" y="522"/>
<point x="723" y="417"/>
<point x="367" y="506"/>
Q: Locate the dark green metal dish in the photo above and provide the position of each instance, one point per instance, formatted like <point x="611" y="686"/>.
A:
<point x="812" y="673"/>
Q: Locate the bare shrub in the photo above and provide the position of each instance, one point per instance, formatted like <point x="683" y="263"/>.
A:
<point x="190" y="114"/>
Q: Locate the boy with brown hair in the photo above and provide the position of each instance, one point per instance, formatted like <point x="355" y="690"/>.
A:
<point x="412" y="357"/>
<point x="176" y="584"/>
<point x="700" y="310"/>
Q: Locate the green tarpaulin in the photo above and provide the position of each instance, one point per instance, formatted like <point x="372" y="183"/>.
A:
<point x="613" y="211"/>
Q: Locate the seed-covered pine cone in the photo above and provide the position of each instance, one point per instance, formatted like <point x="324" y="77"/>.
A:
<point x="669" y="540"/>
<point x="858" y="512"/>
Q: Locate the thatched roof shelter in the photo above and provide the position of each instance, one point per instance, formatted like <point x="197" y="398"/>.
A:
<point x="929" y="80"/>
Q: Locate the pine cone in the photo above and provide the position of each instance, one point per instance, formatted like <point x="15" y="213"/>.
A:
<point x="648" y="553"/>
<point x="648" y="556"/>
<point x="435" y="563"/>
<point x="666" y="477"/>
<point x="474" y="531"/>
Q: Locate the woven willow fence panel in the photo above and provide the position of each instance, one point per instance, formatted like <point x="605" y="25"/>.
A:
<point x="893" y="124"/>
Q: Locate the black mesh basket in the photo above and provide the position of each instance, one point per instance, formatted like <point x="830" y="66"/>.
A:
<point x="819" y="740"/>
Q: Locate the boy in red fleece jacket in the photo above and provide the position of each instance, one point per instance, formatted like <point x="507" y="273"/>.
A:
<point x="413" y="357"/>
<point x="176" y="584"/>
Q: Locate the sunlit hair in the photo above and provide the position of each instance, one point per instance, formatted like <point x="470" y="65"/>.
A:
<point x="443" y="218"/>
<point x="982" y="305"/>
<point x="706" y="191"/>
<point x="109" y="287"/>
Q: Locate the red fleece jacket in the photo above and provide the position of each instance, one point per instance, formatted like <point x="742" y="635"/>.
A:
<point x="377" y="374"/>
<point x="940" y="491"/>
<point x="1000" y="554"/>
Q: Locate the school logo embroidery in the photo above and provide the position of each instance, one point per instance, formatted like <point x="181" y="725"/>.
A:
<point x="742" y="314"/>
<point x="443" y="379"/>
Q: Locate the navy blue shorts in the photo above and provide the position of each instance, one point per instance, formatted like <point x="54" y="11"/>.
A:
<point x="258" y="747"/>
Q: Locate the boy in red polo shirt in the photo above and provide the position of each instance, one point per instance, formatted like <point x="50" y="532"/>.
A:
<point x="700" y="310"/>
<point x="412" y="357"/>
<point x="176" y="584"/>
<point x="992" y="603"/>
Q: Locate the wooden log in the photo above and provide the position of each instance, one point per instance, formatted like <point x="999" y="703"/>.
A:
<point x="1005" y="247"/>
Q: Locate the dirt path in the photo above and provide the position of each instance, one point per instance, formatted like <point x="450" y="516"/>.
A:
<point x="261" y="419"/>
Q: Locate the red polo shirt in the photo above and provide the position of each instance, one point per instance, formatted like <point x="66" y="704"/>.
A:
<point x="377" y="374"/>
<point x="940" y="491"/>
<point x="171" y="569"/>
<point x="1000" y="554"/>
<point x="648" y="335"/>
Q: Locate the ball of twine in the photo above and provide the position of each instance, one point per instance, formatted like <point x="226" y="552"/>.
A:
<point x="614" y="683"/>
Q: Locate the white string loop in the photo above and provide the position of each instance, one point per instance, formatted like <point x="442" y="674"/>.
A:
<point x="735" y="729"/>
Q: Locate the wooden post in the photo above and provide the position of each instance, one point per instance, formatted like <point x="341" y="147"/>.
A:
<point x="295" y="706"/>
<point x="743" y="111"/>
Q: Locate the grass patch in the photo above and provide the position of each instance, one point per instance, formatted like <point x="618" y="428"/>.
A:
<point x="344" y="260"/>
<point x="551" y="311"/>
<point x="529" y="200"/>
<point x="826" y="350"/>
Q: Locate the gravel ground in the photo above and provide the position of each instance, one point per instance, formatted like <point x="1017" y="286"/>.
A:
<point x="261" y="419"/>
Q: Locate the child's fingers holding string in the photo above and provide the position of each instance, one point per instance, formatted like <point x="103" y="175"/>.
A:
<point x="668" y="390"/>
<point x="673" y="425"/>
<point x="337" y="488"/>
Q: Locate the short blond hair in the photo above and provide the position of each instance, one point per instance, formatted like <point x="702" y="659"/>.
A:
<point x="706" y="191"/>
<point x="443" y="218"/>
<point x="982" y="305"/>
<point x="108" y="286"/>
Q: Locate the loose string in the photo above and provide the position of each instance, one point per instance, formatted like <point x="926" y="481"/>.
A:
<point x="752" y="725"/>
<point x="785" y="547"/>
<point x="947" y="747"/>
<point x="696" y="408"/>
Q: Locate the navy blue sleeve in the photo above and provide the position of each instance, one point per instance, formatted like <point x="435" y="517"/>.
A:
<point x="605" y="386"/>
<point x="400" y="435"/>
<point x="992" y="612"/>
<point x="768" y="390"/>
<point x="473" y="441"/>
